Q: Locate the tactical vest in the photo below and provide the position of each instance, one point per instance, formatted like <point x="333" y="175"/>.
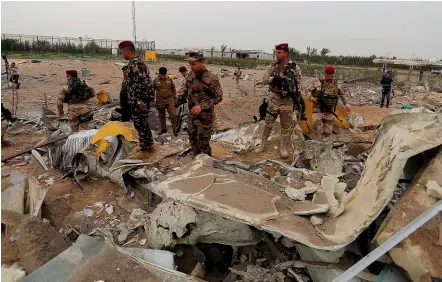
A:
<point x="277" y="82"/>
<point x="78" y="91"/>
<point x="329" y="96"/>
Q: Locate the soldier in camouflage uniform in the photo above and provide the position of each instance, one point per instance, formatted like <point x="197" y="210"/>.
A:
<point x="165" y="99"/>
<point x="280" y="103"/>
<point x="76" y="95"/>
<point x="327" y="92"/>
<point x="140" y="94"/>
<point x="203" y="91"/>
<point x="237" y="75"/>
<point x="124" y="102"/>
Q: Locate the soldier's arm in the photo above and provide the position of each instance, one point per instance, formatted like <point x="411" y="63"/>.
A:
<point x="267" y="79"/>
<point x="298" y="76"/>
<point x="217" y="94"/>
<point x="342" y="95"/>
<point x="184" y="91"/>
<point x="91" y="90"/>
<point x="173" y="87"/>
<point x="313" y="89"/>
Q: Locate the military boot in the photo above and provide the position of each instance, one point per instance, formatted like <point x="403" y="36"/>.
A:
<point x="265" y="136"/>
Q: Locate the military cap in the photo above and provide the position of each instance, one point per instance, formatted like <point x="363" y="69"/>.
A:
<point x="71" y="72"/>
<point x="124" y="68"/>
<point x="125" y="43"/>
<point x="195" y="56"/>
<point x="282" y="46"/>
<point x="329" y="69"/>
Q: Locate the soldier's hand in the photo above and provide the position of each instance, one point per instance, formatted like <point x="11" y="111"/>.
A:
<point x="196" y="110"/>
<point x="347" y="107"/>
<point x="143" y="107"/>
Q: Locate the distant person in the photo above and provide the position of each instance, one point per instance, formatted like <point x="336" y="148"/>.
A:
<point x="165" y="94"/>
<point x="14" y="75"/>
<point x="237" y="75"/>
<point x="76" y="95"/>
<point x="6" y="116"/>
<point x="421" y="79"/>
<point x="386" y="81"/>
<point x="124" y="102"/>
<point x="6" y="66"/>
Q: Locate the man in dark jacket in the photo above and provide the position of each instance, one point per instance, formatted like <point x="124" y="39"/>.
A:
<point x="386" y="82"/>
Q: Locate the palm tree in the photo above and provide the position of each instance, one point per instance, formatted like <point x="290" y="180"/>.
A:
<point x="294" y="54"/>
<point x="324" y="52"/>
<point x="311" y="52"/>
<point x="211" y="51"/>
<point x="223" y="49"/>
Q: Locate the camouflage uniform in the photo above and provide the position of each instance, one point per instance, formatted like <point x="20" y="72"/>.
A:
<point x="140" y="91"/>
<point x="76" y="95"/>
<point x="124" y="102"/>
<point x="279" y="104"/>
<point x="332" y="92"/>
<point x="202" y="89"/>
<point x="165" y="99"/>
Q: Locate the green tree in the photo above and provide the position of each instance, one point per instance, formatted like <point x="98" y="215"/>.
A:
<point x="212" y="49"/>
<point x="324" y="52"/>
<point x="223" y="49"/>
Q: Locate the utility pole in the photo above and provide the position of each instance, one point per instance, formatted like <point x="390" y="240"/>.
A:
<point x="134" y="24"/>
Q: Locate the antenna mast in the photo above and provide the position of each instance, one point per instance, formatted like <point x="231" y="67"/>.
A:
<point x="134" y="24"/>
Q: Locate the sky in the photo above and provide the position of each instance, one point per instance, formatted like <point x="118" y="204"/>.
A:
<point x="401" y="29"/>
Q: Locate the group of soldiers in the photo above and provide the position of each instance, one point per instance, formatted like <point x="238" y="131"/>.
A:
<point x="201" y="90"/>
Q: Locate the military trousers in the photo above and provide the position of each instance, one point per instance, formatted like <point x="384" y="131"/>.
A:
<point x="76" y="112"/>
<point x="200" y="131"/>
<point x="282" y="107"/>
<point x="171" y="110"/>
<point x="139" y="118"/>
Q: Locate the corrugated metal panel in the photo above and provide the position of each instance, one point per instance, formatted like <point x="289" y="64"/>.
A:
<point x="74" y="144"/>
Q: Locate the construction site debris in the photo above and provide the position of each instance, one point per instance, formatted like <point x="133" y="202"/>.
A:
<point x="434" y="189"/>
<point x="13" y="273"/>
<point x="173" y="223"/>
<point x="420" y="265"/>
<point x="13" y="195"/>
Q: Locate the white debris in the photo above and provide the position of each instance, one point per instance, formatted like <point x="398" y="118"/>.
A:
<point x="310" y="187"/>
<point x="434" y="189"/>
<point x="99" y="205"/>
<point x="50" y="181"/>
<point x="339" y="189"/>
<point x="295" y="194"/>
<point x="109" y="210"/>
<point x="316" y="220"/>
<point x="142" y="242"/>
<point x="287" y="242"/>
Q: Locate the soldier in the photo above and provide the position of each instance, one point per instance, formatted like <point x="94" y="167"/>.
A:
<point x="140" y="94"/>
<point x="237" y="75"/>
<point x="280" y="102"/>
<point x="76" y="95"/>
<point x="203" y="91"/>
<point x="386" y="82"/>
<point x="326" y="93"/>
<point x="184" y="72"/>
<point x="165" y="99"/>
<point x="124" y="102"/>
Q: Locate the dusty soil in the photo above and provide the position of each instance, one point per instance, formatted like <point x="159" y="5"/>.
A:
<point x="39" y="242"/>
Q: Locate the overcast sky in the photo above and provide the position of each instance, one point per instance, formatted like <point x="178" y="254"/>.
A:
<point x="402" y="29"/>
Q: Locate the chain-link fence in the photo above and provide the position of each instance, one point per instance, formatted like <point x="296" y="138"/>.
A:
<point x="73" y="46"/>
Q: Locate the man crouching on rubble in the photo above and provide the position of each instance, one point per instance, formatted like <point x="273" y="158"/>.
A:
<point x="203" y="91"/>
<point x="325" y="93"/>
<point x="76" y="95"/>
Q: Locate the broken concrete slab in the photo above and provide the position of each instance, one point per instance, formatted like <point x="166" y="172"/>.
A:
<point x="295" y="194"/>
<point x="419" y="253"/>
<point x="173" y="223"/>
<point x="434" y="189"/>
<point x="13" y="196"/>
<point x="309" y="208"/>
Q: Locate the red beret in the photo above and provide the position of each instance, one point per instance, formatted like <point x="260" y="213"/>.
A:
<point x="329" y="69"/>
<point x="71" y="72"/>
<point x="282" y="46"/>
<point x="125" y="43"/>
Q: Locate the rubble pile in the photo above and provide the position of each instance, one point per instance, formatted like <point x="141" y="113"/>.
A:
<point x="97" y="213"/>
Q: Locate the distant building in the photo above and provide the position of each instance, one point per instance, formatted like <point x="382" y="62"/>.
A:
<point x="238" y="54"/>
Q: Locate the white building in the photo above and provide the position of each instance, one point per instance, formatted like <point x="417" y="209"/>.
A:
<point x="207" y="53"/>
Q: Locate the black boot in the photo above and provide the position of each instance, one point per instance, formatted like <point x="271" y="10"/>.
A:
<point x="382" y="105"/>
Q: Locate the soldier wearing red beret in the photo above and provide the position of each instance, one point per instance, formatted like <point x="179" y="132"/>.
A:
<point x="140" y="94"/>
<point x="325" y="93"/>
<point x="76" y="95"/>
<point x="280" y="104"/>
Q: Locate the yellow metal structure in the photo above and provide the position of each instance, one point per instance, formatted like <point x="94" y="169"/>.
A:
<point x="306" y="126"/>
<point x="150" y="56"/>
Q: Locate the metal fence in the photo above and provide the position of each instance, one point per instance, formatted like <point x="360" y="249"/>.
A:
<point x="77" y="46"/>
